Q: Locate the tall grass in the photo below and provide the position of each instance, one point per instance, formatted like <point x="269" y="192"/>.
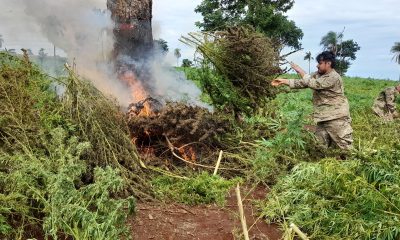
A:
<point x="352" y="199"/>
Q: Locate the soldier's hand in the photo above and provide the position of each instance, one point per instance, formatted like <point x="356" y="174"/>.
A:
<point x="295" y="67"/>
<point x="279" y="81"/>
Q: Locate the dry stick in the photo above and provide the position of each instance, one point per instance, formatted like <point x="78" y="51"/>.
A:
<point x="241" y="211"/>
<point x="298" y="231"/>
<point x="171" y="147"/>
<point x="218" y="162"/>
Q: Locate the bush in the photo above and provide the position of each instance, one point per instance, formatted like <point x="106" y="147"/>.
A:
<point x="51" y="181"/>
<point x="202" y="189"/>
<point x="49" y="186"/>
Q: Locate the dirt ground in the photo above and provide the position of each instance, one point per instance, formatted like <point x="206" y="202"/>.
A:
<point x="208" y="222"/>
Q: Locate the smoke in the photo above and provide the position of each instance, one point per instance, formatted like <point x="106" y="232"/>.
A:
<point x="172" y="85"/>
<point x="83" y="30"/>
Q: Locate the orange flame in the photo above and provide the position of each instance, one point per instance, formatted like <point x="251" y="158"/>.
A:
<point x="188" y="153"/>
<point x="138" y="91"/>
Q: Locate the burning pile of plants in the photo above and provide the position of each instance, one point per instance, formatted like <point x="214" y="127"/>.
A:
<point x="244" y="62"/>
<point x="178" y="129"/>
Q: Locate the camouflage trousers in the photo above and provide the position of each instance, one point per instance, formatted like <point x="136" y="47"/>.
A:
<point x="335" y="133"/>
<point x="381" y="110"/>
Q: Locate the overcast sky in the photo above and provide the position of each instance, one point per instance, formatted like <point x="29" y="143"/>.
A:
<point x="374" y="25"/>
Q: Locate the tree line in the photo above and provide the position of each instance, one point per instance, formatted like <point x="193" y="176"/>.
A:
<point x="268" y="17"/>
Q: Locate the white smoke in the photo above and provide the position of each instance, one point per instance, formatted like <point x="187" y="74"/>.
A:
<point x="83" y="30"/>
<point x="172" y="85"/>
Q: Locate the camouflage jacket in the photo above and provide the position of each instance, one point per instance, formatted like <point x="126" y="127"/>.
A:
<point x="387" y="100"/>
<point x="328" y="95"/>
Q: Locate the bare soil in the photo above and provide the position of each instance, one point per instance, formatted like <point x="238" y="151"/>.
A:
<point x="208" y="222"/>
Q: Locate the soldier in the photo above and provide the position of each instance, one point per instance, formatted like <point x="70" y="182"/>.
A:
<point x="331" y="108"/>
<point x="385" y="104"/>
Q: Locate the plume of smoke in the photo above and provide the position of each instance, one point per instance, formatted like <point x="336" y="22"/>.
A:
<point x="82" y="30"/>
<point x="172" y="85"/>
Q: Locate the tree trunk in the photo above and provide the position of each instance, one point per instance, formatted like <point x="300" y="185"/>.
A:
<point x="133" y="30"/>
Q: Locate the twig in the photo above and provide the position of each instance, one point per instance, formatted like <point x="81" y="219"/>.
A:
<point x="241" y="211"/>
<point x="218" y="162"/>
<point x="171" y="147"/>
<point x="299" y="232"/>
<point x="255" y="222"/>
<point x="167" y="173"/>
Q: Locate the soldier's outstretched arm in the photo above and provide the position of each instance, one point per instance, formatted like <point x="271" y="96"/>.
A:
<point x="319" y="83"/>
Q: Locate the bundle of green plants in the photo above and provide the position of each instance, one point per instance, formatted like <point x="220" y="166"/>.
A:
<point x="355" y="199"/>
<point x="99" y="120"/>
<point x="201" y="189"/>
<point x="237" y="66"/>
<point x="43" y="194"/>
<point x="63" y="158"/>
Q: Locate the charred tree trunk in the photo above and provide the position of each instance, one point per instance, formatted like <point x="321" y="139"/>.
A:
<point x="133" y="30"/>
<point x="133" y="45"/>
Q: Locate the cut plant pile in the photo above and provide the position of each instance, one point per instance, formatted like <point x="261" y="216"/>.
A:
<point x="192" y="132"/>
<point x="245" y="62"/>
<point x="63" y="159"/>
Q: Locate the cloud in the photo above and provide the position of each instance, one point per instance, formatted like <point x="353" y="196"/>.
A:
<point x="176" y="20"/>
<point x="372" y="24"/>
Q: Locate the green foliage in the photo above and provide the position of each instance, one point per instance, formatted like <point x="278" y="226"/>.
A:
<point x="357" y="199"/>
<point x="186" y="63"/>
<point x="345" y="50"/>
<point x="353" y="199"/>
<point x="237" y="66"/>
<point x="49" y="184"/>
<point x="275" y="156"/>
<point x="202" y="189"/>
<point x="220" y="91"/>
<point x="162" y="44"/>
<point x="50" y="175"/>
<point x="265" y="16"/>
<point x="100" y="121"/>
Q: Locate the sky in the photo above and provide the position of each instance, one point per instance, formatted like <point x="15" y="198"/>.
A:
<point x="374" y="25"/>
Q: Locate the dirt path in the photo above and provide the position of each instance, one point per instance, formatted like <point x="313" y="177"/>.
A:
<point x="181" y="222"/>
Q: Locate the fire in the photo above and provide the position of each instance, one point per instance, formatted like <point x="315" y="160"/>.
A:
<point x="188" y="153"/>
<point x="142" y="107"/>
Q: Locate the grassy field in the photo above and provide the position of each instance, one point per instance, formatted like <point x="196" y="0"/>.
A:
<point x="352" y="199"/>
<point x="65" y="160"/>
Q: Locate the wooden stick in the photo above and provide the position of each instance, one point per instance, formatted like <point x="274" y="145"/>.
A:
<point x="298" y="231"/>
<point x="218" y="162"/>
<point x="241" y="211"/>
<point x="171" y="147"/>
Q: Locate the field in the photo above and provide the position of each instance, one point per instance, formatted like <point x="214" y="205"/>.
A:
<point x="68" y="168"/>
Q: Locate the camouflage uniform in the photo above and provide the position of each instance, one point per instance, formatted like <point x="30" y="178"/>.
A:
<point x="331" y="108"/>
<point x="385" y="105"/>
